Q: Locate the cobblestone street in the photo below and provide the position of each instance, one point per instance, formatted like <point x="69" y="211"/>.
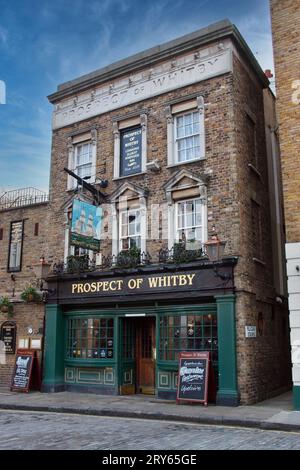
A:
<point x="49" y="431"/>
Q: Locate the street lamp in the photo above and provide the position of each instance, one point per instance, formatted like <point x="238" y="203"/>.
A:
<point x="215" y="249"/>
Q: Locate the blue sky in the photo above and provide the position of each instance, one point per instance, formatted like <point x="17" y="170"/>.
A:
<point x="44" y="43"/>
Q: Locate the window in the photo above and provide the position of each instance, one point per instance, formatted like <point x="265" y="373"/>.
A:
<point x="185" y="129"/>
<point x="130" y="229"/>
<point x="1" y="233"/>
<point x="83" y="160"/>
<point x="15" y="246"/>
<point x="36" y="229"/>
<point x="187" y="137"/>
<point x="256" y="230"/>
<point x="190" y="222"/>
<point x="91" y="338"/>
<point x="251" y="140"/>
<point x="188" y="333"/>
<point x="82" y="157"/>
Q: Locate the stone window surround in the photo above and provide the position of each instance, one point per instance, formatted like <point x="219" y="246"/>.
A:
<point x="196" y="103"/>
<point x="126" y="122"/>
<point x="79" y="138"/>
<point x="197" y="188"/>
<point x="121" y="202"/>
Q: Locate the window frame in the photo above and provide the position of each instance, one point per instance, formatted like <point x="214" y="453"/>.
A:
<point x="173" y="112"/>
<point x="177" y="139"/>
<point x="203" y="219"/>
<point x="128" y="236"/>
<point x="73" y="144"/>
<point x="19" y="267"/>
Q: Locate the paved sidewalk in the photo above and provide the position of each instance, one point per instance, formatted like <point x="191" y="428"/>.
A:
<point x="275" y="414"/>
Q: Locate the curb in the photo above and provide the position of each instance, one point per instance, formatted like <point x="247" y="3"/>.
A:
<point x="213" y="421"/>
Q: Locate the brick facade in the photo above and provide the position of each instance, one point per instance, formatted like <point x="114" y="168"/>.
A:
<point x="232" y="184"/>
<point x="31" y="314"/>
<point x="285" y="15"/>
<point x="236" y="175"/>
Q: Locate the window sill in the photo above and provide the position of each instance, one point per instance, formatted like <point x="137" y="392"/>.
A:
<point x="254" y="169"/>
<point x="129" y="176"/>
<point x="259" y="261"/>
<point x="186" y="162"/>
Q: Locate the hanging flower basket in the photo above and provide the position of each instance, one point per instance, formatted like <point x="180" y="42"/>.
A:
<point x="6" y="305"/>
<point x="30" y="294"/>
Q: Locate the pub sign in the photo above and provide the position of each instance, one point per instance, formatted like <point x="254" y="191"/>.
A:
<point x="131" y="151"/>
<point x="8" y="336"/>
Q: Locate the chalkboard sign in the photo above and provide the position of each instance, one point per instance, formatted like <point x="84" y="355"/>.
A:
<point x="22" y="370"/>
<point x="131" y="151"/>
<point x="8" y="336"/>
<point x="193" y="375"/>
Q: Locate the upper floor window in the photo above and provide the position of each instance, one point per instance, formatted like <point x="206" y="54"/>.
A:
<point x="82" y="157"/>
<point x="130" y="229"/>
<point x="189" y="222"/>
<point x="83" y="160"/>
<point x="185" y="129"/>
<point x="187" y="137"/>
<point x="251" y="140"/>
<point x="15" y="246"/>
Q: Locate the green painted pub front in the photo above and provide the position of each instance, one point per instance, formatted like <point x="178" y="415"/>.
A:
<point x="133" y="347"/>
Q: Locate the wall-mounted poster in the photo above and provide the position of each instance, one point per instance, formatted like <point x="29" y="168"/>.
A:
<point x="131" y="151"/>
<point x="86" y="225"/>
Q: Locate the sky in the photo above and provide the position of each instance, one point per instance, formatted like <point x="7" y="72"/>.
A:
<point x="44" y="43"/>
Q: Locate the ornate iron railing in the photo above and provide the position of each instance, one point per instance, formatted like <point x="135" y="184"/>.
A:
<point x="178" y="254"/>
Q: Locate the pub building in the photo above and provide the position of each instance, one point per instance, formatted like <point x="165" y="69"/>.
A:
<point x="173" y="147"/>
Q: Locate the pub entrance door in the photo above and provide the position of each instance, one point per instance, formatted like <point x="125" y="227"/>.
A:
<point x="138" y="355"/>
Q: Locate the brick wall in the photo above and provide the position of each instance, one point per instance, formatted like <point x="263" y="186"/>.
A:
<point x="24" y="314"/>
<point x="286" y="41"/>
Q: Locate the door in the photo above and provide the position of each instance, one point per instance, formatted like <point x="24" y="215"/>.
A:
<point x="145" y="356"/>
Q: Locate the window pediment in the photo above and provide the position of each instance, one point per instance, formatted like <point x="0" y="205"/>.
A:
<point x="184" y="184"/>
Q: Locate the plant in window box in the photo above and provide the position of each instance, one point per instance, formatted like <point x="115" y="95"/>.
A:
<point x="30" y="294"/>
<point x="183" y="255"/>
<point x="77" y="264"/>
<point x="129" y="258"/>
<point x="6" y="306"/>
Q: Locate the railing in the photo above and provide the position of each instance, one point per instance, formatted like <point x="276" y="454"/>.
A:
<point x="127" y="259"/>
<point x="22" y="197"/>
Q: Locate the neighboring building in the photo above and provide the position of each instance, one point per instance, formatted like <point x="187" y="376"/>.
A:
<point x="285" y="16"/>
<point x="23" y="241"/>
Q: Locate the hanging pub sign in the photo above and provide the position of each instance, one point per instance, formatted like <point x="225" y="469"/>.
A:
<point x="131" y="151"/>
<point x="86" y="225"/>
<point x="8" y="336"/>
<point x="195" y="377"/>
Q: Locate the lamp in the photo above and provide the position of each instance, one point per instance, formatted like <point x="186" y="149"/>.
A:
<point x="215" y="249"/>
<point x="41" y="270"/>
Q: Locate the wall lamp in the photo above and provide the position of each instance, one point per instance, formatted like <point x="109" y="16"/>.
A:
<point x="41" y="270"/>
<point x="215" y="249"/>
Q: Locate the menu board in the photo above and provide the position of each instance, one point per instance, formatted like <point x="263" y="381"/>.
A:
<point x="193" y="377"/>
<point x="8" y="336"/>
<point x="22" y="370"/>
<point x="131" y="151"/>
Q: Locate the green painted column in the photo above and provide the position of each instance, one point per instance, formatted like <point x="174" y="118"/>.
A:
<point x="53" y="380"/>
<point x="296" y="397"/>
<point x="228" y="393"/>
